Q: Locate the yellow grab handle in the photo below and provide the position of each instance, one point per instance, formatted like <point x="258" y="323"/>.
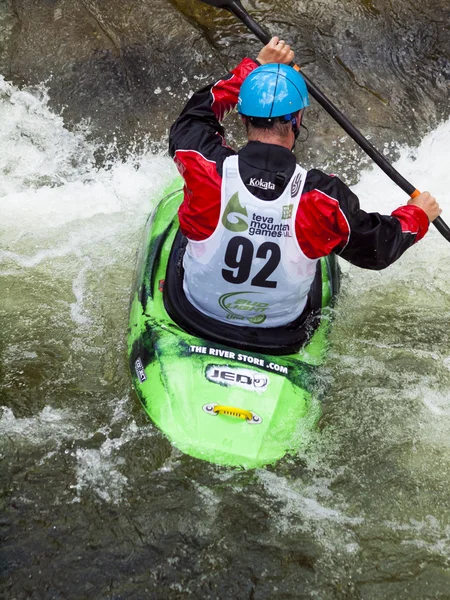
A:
<point x="231" y="411"/>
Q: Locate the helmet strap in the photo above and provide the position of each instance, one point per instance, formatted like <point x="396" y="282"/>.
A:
<point x="296" y="124"/>
<point x="295" y="127"/>
<point x="306" y="133"/>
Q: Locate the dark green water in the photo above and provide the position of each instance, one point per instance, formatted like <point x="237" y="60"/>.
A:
<point x="95" y="501"/>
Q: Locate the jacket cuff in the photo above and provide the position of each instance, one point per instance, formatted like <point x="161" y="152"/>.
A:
<point x="412" y="220"/>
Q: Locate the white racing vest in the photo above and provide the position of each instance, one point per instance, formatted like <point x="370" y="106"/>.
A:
<point x="251" y="270"/>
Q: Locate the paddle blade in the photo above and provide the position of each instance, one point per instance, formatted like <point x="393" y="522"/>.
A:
<point x="228" y="4"/>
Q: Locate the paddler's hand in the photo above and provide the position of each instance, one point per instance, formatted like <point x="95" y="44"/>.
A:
<point x="276" y="51"/>
<point x="428" y="204"/>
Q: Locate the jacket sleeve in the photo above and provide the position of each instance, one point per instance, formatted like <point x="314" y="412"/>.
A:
<point x="369" y="240"/>
<point x="198" y="147"/>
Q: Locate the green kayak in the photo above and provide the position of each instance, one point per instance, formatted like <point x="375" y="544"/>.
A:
<point x="224" y="404"/>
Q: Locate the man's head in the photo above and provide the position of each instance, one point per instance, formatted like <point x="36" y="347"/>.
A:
<point x="271" y="102"/>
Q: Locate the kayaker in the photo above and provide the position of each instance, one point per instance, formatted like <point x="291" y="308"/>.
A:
<point x="256" y="222"/>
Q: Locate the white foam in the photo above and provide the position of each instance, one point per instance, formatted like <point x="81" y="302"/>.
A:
<point x="429" y="533"/>
<point x="77" y="310"/>
<point x="101" y="470"/>
<point x="300" y="500"/>
<point x="425" y="167"/>
<point x="50" y="185"/>
<point x="39" y="149"/>
<point x="313" y="509"/>
<point x="51" y="424"/>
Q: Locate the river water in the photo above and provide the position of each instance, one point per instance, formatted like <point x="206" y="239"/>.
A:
<point x="95" y="501"/>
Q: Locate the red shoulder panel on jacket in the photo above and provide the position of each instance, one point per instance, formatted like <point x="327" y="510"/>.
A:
<point x="320" y="224"/>
<point x="200" y="210"/>
<point x="226" y="91"/>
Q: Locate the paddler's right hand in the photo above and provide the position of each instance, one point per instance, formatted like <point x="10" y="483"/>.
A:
<point x="276" y="51"/>
<point x="427" y="203"/>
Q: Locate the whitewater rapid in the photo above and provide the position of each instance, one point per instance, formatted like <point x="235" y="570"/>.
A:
<point x="365" y="502"/>
<point x="65" y="223"/>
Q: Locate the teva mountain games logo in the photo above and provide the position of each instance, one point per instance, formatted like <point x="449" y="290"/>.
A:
<point x="234" y="206"/>
<point x="235" y="218"/>
<point x="238" y="377"/>
<point x="233" y="302"/>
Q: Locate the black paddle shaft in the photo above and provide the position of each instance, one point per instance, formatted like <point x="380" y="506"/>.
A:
<point x="238" y="10"/>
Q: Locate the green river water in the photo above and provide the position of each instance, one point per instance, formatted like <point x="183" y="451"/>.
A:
<point x="95" y="502"/>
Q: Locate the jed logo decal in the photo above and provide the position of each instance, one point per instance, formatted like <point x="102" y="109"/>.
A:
<point x="235" y="376"/>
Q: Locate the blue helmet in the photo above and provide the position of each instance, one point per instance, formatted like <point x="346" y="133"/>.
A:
<point x="272" y="90"/>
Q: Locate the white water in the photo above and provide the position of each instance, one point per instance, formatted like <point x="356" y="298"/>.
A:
<point x="69" y="232"/>
<point x="370" y="502"/>
<point x="55" y="202"/>
<point x="72" y="231"/>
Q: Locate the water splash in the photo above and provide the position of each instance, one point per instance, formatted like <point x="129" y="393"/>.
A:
<point x="69" y="231"/>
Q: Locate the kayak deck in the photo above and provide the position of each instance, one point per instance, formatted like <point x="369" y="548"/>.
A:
<point x="214" y="402"/>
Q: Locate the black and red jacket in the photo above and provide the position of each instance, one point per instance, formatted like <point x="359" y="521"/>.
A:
<point x="329" y="218"/>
